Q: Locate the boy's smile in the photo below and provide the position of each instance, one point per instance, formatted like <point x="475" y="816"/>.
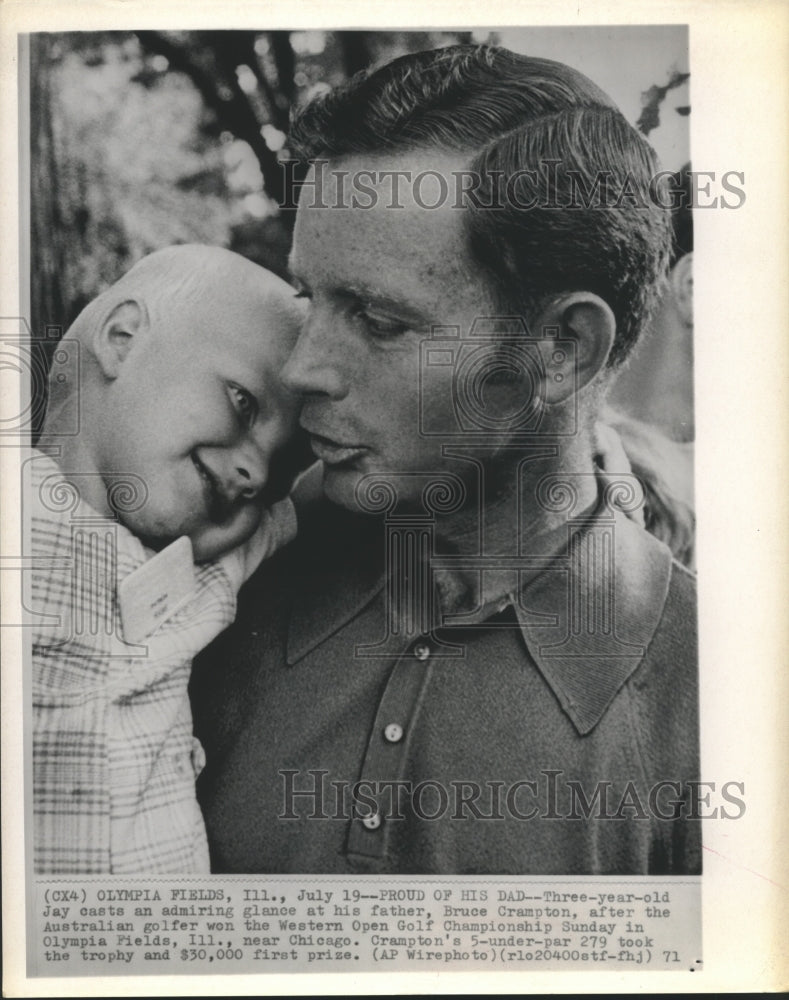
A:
<point x="218" y="503"/>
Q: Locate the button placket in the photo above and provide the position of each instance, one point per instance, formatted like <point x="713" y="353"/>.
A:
<point x="387" y="749"/>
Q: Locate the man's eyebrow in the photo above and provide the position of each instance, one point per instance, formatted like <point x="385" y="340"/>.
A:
<point x="366" y="294"/>
<point x="377" y="296"/>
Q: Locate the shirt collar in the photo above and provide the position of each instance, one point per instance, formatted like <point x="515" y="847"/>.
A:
<point x="586" y="621"/>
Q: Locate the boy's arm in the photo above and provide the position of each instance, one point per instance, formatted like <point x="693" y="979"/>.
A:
<point x="167" y="610"/>
<point x="207" y="603"/>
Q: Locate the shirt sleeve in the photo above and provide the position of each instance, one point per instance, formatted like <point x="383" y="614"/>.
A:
<point x="108" y="716"/>
<point x="74" y="663"/>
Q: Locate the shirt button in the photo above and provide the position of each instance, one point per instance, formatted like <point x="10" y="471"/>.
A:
<point x="198" y="757"/>
<point x="372" y="821"/>
<point x="393" y="733"/>
<point x="422" y="651"/>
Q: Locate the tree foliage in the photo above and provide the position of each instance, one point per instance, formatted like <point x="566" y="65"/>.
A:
<point x="141" y="140"/>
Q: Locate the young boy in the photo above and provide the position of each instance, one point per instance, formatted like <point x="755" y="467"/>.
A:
<point x="164" y="451"/>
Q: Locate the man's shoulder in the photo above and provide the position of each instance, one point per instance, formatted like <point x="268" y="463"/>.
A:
<point x="669" y="672"/>
<point x="680" y="609"/>
<point x="683" y="579"/>
<point x="661" y="588"/>
<point x="649" y="578"/>
<point x="657" y="608"/>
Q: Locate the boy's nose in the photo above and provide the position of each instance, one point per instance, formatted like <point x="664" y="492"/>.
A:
<point x="244" y="471"/>
<point x="249" y="470"/>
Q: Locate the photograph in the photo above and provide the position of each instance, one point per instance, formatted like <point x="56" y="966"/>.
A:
<point x="358" y="482"/>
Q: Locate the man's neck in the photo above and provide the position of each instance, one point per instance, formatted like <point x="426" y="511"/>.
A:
<point x="510" y="526"/>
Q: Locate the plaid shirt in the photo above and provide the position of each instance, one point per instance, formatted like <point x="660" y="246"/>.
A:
<point x="114" y="756"/>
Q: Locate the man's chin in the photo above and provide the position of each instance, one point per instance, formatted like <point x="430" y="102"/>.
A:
<point x="340" y="486"/>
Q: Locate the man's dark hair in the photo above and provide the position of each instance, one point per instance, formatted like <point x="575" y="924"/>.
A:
<point x="512" y="113"/>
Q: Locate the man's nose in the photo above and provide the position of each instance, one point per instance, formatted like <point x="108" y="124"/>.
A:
<point x="315" y="364"/>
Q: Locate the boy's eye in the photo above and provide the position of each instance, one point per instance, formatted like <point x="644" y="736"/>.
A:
<point x="245" y="404"/>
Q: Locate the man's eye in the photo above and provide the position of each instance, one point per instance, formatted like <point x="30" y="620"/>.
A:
<point x="379" y="324"/>
<point x="244" y="403"/>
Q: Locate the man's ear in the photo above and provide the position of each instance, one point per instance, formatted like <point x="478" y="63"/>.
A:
<point x="588" y="322"/>
<point x="681" y="282"/>
<point x="115" y="335"/>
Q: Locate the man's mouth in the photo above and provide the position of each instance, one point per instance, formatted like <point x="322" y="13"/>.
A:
<point x="218" y="506"/>
<point x="334" y="452"/>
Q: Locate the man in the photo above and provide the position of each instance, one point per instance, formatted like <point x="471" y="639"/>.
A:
<point x="471" y="661"/>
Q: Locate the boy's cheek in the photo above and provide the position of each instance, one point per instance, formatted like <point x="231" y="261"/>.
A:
<point x="214" y="540"/>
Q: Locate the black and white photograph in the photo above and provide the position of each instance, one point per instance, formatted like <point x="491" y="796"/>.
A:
<point x="358" y="459"/>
